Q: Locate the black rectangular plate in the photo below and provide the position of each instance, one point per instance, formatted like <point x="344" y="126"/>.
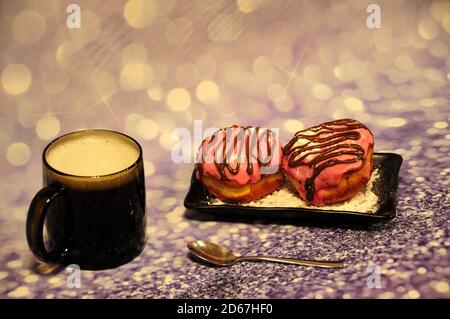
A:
<point x="385" y="187"/>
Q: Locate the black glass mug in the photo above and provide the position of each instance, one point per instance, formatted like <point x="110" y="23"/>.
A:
<point x="92" y="205"/>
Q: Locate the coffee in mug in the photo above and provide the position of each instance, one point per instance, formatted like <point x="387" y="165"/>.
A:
<point x="92" y="203"/>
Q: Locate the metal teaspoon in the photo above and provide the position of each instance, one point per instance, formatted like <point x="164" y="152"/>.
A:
<point x="222" y="256"/>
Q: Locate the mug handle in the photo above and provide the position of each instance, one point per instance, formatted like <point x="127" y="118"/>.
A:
<point x="35" y="222"/>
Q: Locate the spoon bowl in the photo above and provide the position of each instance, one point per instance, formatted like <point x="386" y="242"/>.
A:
<point x="211" y="252"/>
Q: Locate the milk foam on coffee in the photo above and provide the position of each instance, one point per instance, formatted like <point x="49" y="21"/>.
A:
<point x="92" y="153"/>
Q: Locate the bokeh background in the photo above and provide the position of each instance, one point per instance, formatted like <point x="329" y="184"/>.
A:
<point x="147" y="67"/>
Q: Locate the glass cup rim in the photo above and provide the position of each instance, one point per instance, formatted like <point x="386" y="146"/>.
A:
<point x="58" y="172"/>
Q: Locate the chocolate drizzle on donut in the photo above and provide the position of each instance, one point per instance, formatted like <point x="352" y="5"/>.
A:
<point x="252" y="138"/>
<point x="325" y="149"/>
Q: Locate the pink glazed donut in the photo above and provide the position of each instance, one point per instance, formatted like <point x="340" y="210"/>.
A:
<point x="330" y="162"/>
<point x="240" y="164"/>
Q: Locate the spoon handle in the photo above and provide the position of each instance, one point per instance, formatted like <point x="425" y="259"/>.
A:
<point x="292" y="261"/>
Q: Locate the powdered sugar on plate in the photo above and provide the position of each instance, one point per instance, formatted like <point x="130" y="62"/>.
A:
<point x="366" y="201"/>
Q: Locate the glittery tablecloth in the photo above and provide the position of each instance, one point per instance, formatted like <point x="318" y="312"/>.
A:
<point x="146" y="69"/>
